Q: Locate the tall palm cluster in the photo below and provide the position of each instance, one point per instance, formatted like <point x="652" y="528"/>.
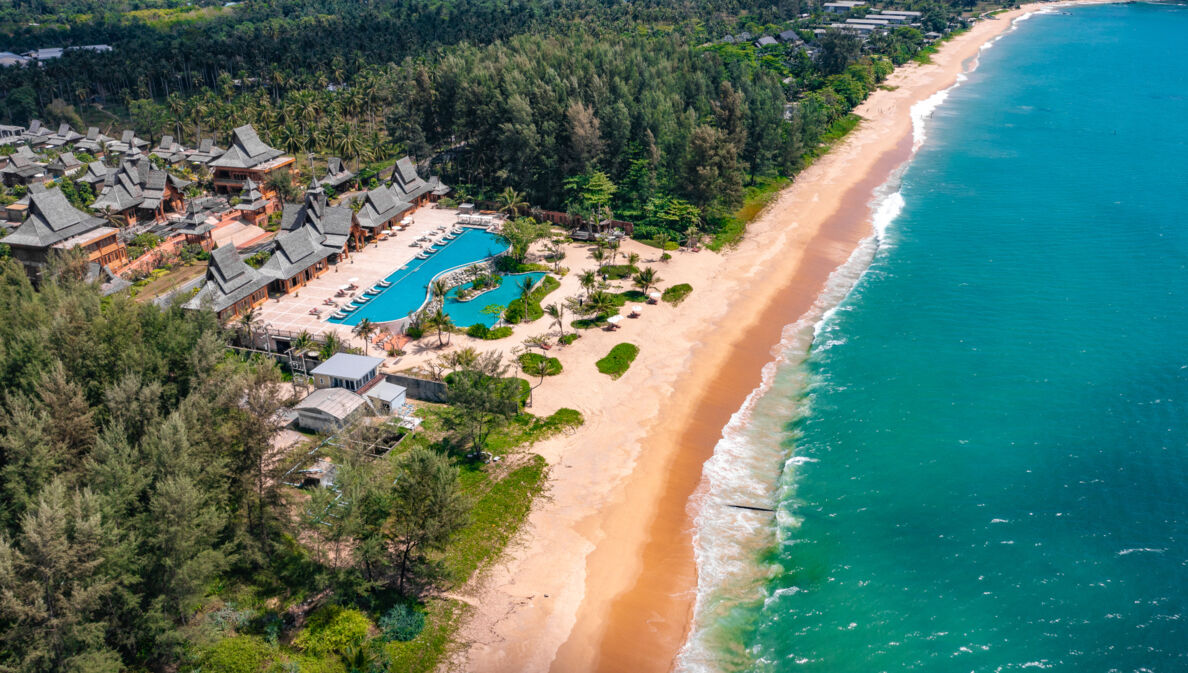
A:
<point x="346" y="122"/>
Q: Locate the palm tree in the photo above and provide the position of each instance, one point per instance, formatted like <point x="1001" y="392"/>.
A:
<point x="112" y="216"/>
<point x="646" y="279"/>
<point x="632" y="259"/>
<point x="588" y="280"/>
<point x="662" y="240"/>
<point x="693" y="237"/>
<point x="613" y="245"/>
<point x="557" y="313"/>
<point x="364" y="330"/>
<point x="601" y="303"/>
<point x="439" y="288"/>
<point x="330" y="346"/>
<point x="440" y="321"/>
<point x="525" y="287"/>
<point x="249" y="321"/>
<point x="538" y="368"/>
<point x="511" y="202"/>
<point x="599" y="256"/>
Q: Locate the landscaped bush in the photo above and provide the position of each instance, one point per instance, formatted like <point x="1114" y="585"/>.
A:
<point x="530" y="361"/>
<point x="569" y="338"/>
<point x="677" y="293"/>
<point x="616" y="362"/>
<point x="617" y="271"/>
<point x="333" y="629"/>
<point x="240" y="654"/>
<point x="515" y="311"/>
<point x="481" y="331"/>
<point x="403" y="623"/>
<point x="414" y="333"/>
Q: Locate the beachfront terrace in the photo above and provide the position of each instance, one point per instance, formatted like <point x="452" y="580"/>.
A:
<point x="364" y="268"/>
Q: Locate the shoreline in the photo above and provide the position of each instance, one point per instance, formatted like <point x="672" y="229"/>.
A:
<point x="606" y="579"/>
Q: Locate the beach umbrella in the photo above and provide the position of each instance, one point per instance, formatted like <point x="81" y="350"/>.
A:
<point x="614" y="319"/>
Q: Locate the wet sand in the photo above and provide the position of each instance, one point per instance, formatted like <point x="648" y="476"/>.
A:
<point x="605" y="578"/>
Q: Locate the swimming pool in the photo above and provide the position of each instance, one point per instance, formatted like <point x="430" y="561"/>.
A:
<point x="410" y="283"/>
<point x="467" y="313"/>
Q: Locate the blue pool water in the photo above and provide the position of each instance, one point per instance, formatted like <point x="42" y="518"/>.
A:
<point x="982" y="463"/>
<point x="467" y="313"/>
<point x="410" y="285"/>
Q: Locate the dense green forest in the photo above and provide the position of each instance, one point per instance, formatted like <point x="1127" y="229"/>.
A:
<point x="542" y="97"/>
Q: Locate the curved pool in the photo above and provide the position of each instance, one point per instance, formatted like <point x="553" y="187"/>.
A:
<point x="467" y="313"/>
<point x="410" y="283"/>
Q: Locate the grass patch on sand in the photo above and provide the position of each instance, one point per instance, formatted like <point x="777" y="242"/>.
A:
<point x="616" y="363"/>
<point x="677" y="293"/>
<point x="516" y="311"/>
<point x="731" y="228"/>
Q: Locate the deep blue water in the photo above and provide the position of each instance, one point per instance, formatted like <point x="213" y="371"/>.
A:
<point x="410" y="284"/>
<point x="992" y="464"/>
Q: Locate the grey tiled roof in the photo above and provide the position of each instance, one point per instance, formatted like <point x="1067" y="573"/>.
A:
<point x="228" y="280"/>
<point x="251" y="198"/>
<point x="65" y="162"/>
<point x="136" y="184"/>
<point x="336" y="172"/>
<point x="207" y="151"/>
<point x="51" y="219"/>
<point x="246" y="151"/>
<point x="380" y="206"/>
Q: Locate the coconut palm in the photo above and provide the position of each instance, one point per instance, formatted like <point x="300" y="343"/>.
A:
<point x="512" y="202"/>
<point x="693" y="237"/>
<point x="331" y="345"/>
<point x="112" y="216"/>
<point x="440" y="321"/>
<point x="599" y="256"/>
<point x="613" y="246"/>
<point x="601" y="303"/>
<point x="662" y="241"/>
<point x="588" y="280"/>
<point x="632" y="258"/>
<point x="646" y="279"/>
<point x="301" y="343"/>
<point x="249" y="321"/>
<point x="539" y="368"/>
<point x="556" y="252"/>
<point x="364" y="330"/>
<point x="556" y="312"/>
<point x="439" y="288"/>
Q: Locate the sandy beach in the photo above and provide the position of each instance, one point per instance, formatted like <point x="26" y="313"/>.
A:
<point x="604" y="577"/>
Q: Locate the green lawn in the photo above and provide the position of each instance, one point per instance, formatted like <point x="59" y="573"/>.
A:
<point x="616" y="363"/>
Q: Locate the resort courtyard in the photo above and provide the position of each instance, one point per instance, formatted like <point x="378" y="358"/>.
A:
<point x="364" y="268"/>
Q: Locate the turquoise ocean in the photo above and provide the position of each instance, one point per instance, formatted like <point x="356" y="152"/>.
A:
<point x="981" y="464"/>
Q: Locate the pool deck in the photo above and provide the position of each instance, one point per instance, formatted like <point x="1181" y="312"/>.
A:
<point x="370" y="265"/>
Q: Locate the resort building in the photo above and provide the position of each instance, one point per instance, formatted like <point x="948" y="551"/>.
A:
<point x="21" y="170"/>
<point x="347" y="370"/>
<point x="127" y="144"/>
<point x="197" y="225"/>
<point x="10" y="135"/>
<point x="766" y="41"/>
<point x="207" y="152"/>
<point x="94" y="143"/>
<point x="64" y="136"/>
<point x="330" y="409"/>
<point x="37" y="134"/>
<point x="313" y="235"/>
<point x="387" y="397"/>
<point x="337" y="175"/>
<point x="248" y="158"/>
<point x="169" y="151"/>
<point x="380" y="211"/>
<point x="96" y="175"/>
<point x="66" y="163"/>
<point x="842" y="6"/>
<point x="51" y="223"/>
<point x="408" y="186"/>
<point x="139" y="192"/>
<point x="254" y="207"/>
<point x="232" y="288"/>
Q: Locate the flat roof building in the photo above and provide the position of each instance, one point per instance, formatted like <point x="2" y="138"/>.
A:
<point x="347" y="370"/>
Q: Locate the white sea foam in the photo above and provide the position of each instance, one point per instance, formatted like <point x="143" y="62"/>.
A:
<point x="1149" y="550"/>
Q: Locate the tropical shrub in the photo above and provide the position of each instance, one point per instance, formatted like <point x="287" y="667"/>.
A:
<point x="616" y="362"/>
<point x="239" y="654"/>
<point x="677" y="293"/>
<point x="403" y="623"/>
<point x="333" y="629"/>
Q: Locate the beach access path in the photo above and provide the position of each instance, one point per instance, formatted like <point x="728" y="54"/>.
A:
<point x="604" y="577"/>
